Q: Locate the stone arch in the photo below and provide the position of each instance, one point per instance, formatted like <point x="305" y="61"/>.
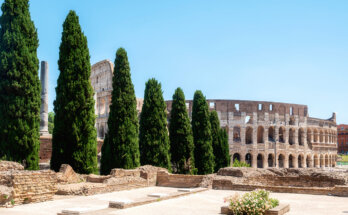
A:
<point x="102" y="106"/>
<point x="260" y="159"/>
<point x="321" y="136"/>
<point x="270" y="160"/>
<point x="291" y="136"/>
<point x="291" y="161"/>
<point x="101" y="131"/>
<point x="282" y="134"/>
<point x="300" y="161"/>
<point x="301" y="137"/>
<point x="322" y="161"/>
<point x="249" y="135"/>
<point x="316" y="135"/>
<point x="260" y="134"/>
<point x="309" y="135"/>
<point x="236" y="156"/>
<point x="281" y="161"/>
<point x="236" y="134"/>
<point x="316" y="160"/>
<point x="271" y="136"/>
<point x="326" y="160"/>
<point x="249" y="158"/>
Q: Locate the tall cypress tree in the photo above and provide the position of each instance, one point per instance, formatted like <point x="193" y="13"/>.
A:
<point x="74" y="135"/>
<point x="180" y="135"/>
<point x="153" y="133"/>
<point x="204" y="157"/>
<point x="220" y="142"/>
<point x="121" y="145"/>
<point x="19" y="85"/>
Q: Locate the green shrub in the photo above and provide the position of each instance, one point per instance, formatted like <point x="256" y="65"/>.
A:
<point x="256" y="202"/>
<point x="237" y="163"/>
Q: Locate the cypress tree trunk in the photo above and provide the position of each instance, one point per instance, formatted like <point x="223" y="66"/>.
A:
<point x="180" y="134"/>
<point x="74" y="135"/>
<point x="19" y="85"/>
<point x="153" y="133"/>
<point x="204" y="157"/>
<point x="121" y="145"/>
<point x="220" y="142"/>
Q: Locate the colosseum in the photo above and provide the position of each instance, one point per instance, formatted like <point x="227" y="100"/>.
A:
<point x="269" y="134"/>
<point x="101" y="80"/>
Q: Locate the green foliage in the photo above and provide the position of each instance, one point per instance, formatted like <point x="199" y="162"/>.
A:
<point x="219" y="142"/>
<point x="19" y="85"/>
<point x="74" y="136"/>
<point x="204" y="157"/>
<point x="256" y="202"/>
<point x="12" y="202"/>
<point x="121" y="144"/>
<point x="153" y="133"/>
<point x="237" y="163"/>
<point x="180" y="135"/>
<point x="50" y="122"/>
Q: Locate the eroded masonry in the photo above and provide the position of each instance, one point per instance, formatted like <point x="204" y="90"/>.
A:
<point x="101" y="80"/>
<point x="268" y="134"/>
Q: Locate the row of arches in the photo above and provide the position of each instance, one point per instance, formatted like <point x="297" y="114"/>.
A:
<point x="279" y="135"/>
<point x="291" y="160"/>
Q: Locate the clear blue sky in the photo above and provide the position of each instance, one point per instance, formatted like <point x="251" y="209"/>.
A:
<point x="285" y="51"/>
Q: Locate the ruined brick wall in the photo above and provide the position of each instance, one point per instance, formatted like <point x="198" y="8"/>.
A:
<point x="45" y="148"/>
<point x="29" y="186"/>
<point x="166" y="179"/>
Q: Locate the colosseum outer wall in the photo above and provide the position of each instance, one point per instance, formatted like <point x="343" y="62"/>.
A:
<point x="260" y="130"/>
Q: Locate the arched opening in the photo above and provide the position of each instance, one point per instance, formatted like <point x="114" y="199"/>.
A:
<point x="101" y="131"/>
<point x="309" y="136"/>
<point x="271" y="134"/>
<point x="322" y="161"/>
<point x="308" y="161"/>
<point x="260" y="132"/>
<point x="301" y="137"/>
<point x="259" y="161"/>
<point x="316" y="161"/>
<point x="316" y="136"/>
<point x="235" y="157"/>
<point x="321" y="136"/>
<point x="299" y="161"/>
<point x="326" y="160"/>
<point x="281" y="134"/>
<point x="249" y="135"/>
<point x="102" y="106"/>
<point x="292" y="136"/>
<point x="270" y="160"/>
<point x="291" y="161"/>
<point x="248" y="158"/>
<point x="281" y="160"/>
<point x="236" y="134"/>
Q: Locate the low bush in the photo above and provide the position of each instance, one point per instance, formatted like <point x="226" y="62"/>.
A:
<point x="256" y="202"/>
<point x="237" y="163"/>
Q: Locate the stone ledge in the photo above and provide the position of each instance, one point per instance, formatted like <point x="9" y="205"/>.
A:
<point x="279" y="210"/>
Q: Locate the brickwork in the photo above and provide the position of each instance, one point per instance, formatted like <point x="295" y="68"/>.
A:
<point x="342" y="142"/>
<point x="270" y="134"/>
<point x="45" y="148"/>
<point x="166" y="179"/>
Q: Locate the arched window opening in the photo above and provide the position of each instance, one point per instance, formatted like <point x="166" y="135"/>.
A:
<point x="271" y="134"/>
<point x="259" y="161"/>
<point x="236" y="134"/>
<point x="281" y="160"/>
<point x="260" y="132"/>
<point x="292" y="136"/>
<point x="249" y="135"/>
<point x="248" y="158"/>
<point x="281" y="134"/>
<point x="270" y="160"/>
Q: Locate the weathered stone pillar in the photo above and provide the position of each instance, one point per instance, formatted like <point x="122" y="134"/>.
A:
<point x="254" y="160"/>
<point x="44" y="99"/>
<point x="265" y="161"/>
<point x="295" y="161"/>
<point x="286" y="161"/>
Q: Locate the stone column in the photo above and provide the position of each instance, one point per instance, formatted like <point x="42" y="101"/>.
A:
<point x="44" y="99"/>
<point x="254" y="160"/>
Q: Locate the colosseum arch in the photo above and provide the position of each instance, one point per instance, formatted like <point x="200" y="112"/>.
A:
<point x="101" y="131"/>
<point x="236" y="156"/>
<point x="249" y="135"/>
<point x="316" y="159"/>
<point x="300" y="161"/>
<point x="281" y="161"/>
<point x="301" y="136"/>
<point x="260" y="160"/>
<point x="321" y="136"/>
<point x="271" y="135"/>
<point x="248" y="159"/>
<point x="292" y="161"/>
<point x="260" y="134"/>
<point x="236" y="134"/>
<point x="282" y="134"/>
<point x="291" y="136"/>
<point x="270" y="160"/>
<point x="316" y="135"/>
